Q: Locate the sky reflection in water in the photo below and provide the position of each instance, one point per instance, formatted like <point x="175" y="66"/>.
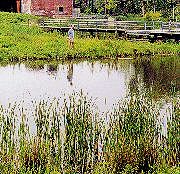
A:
<point x="104" y="83"/>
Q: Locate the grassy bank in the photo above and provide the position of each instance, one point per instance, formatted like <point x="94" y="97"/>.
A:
<point x="18" y="41"/>
<point x="72" y="137"/>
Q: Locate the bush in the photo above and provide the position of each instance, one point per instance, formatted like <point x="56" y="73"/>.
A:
<point x="152" y="16"/>
<point x="129" y="17"/>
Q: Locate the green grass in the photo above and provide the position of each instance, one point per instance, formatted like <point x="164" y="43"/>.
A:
<point x="18" y="41"/>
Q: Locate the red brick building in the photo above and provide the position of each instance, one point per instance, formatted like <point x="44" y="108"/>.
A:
<point x="38" y="7"/>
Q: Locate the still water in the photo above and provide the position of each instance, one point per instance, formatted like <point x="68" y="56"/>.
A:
<point x="106" y="82"/>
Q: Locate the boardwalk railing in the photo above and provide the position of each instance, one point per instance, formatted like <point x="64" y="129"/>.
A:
<point x="106" y="24"/>
<point x="139" y="30"/>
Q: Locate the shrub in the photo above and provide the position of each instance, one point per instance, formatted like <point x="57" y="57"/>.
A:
<point x="152" y="16"/>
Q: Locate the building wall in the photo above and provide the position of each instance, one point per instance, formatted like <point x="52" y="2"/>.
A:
<point x="26" y="6"/>
<point x="47" y="7"/>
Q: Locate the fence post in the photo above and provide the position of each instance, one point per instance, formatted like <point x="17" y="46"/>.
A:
<point x="176" y="26"/>
<point x="78" y="25"/>
<point x="144" y="25"/>
<point x="161" y="25"/>
<point x="169" y="25"/>
<point x="116" y="28"/>
<point x="125" y="26"/>
<point x="153" y="25"/>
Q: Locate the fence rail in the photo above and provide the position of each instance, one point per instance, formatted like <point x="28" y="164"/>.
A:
<point x="150" y="30"/>
<point x="105" y="23"/>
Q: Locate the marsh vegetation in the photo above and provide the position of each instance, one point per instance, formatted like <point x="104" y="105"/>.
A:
<point x="74" y="138"/>
<point x="21" y="39"/>
<point x="68" y="133"/>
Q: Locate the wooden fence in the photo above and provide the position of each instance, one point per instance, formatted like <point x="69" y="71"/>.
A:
<point x="106" y="24"/>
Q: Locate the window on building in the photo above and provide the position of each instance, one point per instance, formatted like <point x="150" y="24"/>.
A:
<point x="60" y="9"/>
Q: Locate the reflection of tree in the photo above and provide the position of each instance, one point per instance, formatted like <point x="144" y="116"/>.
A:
<point x="92" y="67"/>
<point x="159" y="77"/>
<point x="34" y="66"/>
<point x="133" y="85"/>
<point x="70" y="73"/>
<point x="52" y="69"/>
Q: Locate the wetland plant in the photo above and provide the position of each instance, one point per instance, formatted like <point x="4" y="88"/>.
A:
<point x="70" y="136"/>
<point x="19" y="41"/>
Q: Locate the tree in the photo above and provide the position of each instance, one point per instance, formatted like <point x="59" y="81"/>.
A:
<point x="110" y="6"/>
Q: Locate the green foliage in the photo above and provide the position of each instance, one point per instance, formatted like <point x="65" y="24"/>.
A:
<point x="111" y="5"/>
<point x="69" y="134"/>
<point x="16" y="18"/>
<point x="129" y="17"/>
<point x="18" y="41"/>
<point x="167" y="170"/>
<point x="152" y="16"/>
<point x="124" y="7"/>
<point x="103" y="168"/>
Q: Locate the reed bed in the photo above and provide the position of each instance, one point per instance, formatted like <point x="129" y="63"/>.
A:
<point x="72" y="137"/>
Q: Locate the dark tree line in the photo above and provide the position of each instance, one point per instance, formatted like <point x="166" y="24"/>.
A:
<point x="124" y="7"/>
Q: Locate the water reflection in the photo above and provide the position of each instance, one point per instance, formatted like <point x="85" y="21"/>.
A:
<point x="52" y="69"/>
<point x="159" y="75"/>
<point x="34" y="67"/>
<point x="102" y="81"/>
<point x="70" y="73"/>
<point x="106" y="82"/>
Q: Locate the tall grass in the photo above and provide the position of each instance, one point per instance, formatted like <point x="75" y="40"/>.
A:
<point x="72" y="137"/>
<point x="22" y="39"/>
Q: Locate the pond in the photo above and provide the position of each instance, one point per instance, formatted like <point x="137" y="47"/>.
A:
<point x="106" y="82"/>
<point x="76" y="115"/>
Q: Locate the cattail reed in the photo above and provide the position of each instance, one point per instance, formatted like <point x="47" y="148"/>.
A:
<point x="72" y="137"/>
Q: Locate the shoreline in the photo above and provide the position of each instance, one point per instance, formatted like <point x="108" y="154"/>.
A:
<point x="21" y="42"/>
